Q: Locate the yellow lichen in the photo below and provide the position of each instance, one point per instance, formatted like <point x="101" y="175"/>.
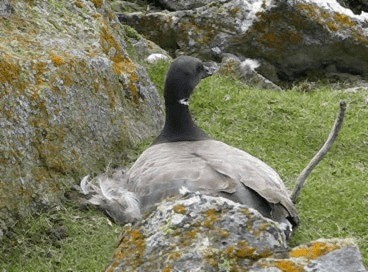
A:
<point x="180" y="209"/>
<point x="313" y="251"/>
<point x="288" y="266"/>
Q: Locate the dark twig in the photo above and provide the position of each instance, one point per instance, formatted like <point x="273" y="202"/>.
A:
<point x="321" y="153"/>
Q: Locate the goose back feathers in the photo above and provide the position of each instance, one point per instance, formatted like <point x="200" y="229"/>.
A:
<point x="183" y="155"/>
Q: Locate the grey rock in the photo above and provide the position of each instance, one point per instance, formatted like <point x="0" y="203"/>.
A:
<point x="156" y="57"/>
<point x="246" y="71"/>
<point x="71" y="101"/>
<point x="347" y="259"/>
<point x="6" y="8"/>
<point x="295" y="37"/>
<point x="323" y="255"/>
<point x="198" y="233"/>
<point x="205" y="233"/>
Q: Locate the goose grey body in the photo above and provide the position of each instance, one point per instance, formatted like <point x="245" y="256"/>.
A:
<point x="210" y="167"/>
<point x="183" y="155"/>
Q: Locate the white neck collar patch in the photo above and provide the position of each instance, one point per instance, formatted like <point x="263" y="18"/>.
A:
<point x="184" y="101"/>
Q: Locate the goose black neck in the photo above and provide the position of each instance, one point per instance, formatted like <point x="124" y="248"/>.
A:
<point x="179" y="125"/>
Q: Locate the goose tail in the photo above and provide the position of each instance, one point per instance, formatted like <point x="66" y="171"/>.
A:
<point x="109" y="194"/>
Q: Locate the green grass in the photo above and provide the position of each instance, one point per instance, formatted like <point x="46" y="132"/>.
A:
<point x="284" y="129"/>
<point x="64" y="239"/>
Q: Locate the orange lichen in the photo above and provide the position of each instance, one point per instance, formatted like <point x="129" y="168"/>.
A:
<point x="68" y="81"/>
<point x="174" y="256"/>
<point x="131" y="249"/>
<point x="339" y="20"/>
<point x="97" y="3"/>
<point x="192" y="234"/>
<point x="344" y="20"/>
<point x="229" y="251"/>
<point x="264" y="30"/>
<point x="211" y="218"/>
<point x="9" y="70"/>
<point x="313" y="251"/>
<point x="40" y="68"/>
<point x="332" y="26"/>
<point x="288" y="266"/>
<point x="122" y="64"/>
<point x="243" y="250"/>
<point x="111" y="46"/>
<point x="119" y="67"/>
<point x="223" y="233"/>
<point x="167" y="269"/>
<point x="308" y="8"/>
<point x="57" y="60"/>
<point x="234" y="11"/>
<point x="180" y="209"/>
<point x="79" y="4"/>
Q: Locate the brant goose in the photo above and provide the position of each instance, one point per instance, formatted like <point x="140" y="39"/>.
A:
<point x="183" y="155"/>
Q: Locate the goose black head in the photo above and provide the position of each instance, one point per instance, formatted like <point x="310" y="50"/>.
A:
<point x="183" y="76"/>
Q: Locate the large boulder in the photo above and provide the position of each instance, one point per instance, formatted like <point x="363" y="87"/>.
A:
<point x="71" y="99"/>
<point x="204" y="233"/>
<point x="296" y="37"/>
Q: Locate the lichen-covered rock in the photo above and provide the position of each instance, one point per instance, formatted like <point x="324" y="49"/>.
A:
<point x="246" y="72"/>
<point x="185" y="4"/>
<point x="199" y="233"/>
<point x="204" y="233"/>
<point x="5" y="8"/>
<point x="295" y="36"/>
<point x="357" y="6"/>
<point x="71" y="99"/>
<point x="323" y="255"/>
<point x="143" y="48"/>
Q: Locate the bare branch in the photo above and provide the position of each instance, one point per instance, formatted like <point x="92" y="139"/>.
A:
<point x="321" y="153"/>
